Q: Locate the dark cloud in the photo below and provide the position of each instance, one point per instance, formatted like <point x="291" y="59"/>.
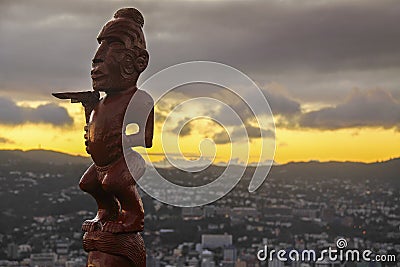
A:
<point x="4" y="140"/>
<point x="183" y="128"/>
<point x="255" y="132"/>
<point x="368" y="108"/>
<point x="186" y="130"/>
<point x="183" y="131"/>
<point x="250" y="133"/>
<point x="221" y="138"/>
<point x="315" y="48"/>
<point x="277" y="36"/>
<point x="159" y="117"/>
<point x="318" y="51"/>
<point x="281" y="104"/>
<point x="11" y="113"/>
<point x="362" y="108"/>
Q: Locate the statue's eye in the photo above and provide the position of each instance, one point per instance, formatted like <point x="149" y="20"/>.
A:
<point x="114" y="42"/>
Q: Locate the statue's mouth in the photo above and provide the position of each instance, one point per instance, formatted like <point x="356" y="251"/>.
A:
<point x="97" y="77"/>
<point x="97" y="74"/>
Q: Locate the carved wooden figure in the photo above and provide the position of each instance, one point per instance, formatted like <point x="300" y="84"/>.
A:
<point x="112" y="238"/>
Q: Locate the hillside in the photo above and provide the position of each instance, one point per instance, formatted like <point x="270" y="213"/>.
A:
<point x="357" y="171"/>
<point x="41" y="156"/>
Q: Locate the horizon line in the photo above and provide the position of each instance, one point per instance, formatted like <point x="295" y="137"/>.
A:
<point x="219" y="163"/>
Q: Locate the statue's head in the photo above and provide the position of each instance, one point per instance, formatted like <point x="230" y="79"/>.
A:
<point x="122" y="55"/>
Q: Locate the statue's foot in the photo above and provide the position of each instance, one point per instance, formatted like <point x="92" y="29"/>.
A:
<point x="113" y="227"/>
<point x="92" y="225"/>
<point x="97" y="222"/>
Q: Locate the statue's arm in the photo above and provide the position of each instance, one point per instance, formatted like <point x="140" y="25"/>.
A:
<point x="89" y="105"/>
<point x="144" y="137"/>
<point x="149" y="129"/>
<point x="89" y="100"/>
<point x="143" y="115"/>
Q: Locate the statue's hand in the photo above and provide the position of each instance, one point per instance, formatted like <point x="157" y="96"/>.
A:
<point x="113" y="227"/>
<point x="86" y="136"/>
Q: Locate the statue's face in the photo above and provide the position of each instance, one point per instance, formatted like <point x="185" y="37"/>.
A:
<point x="115" y="64"/>
<point x="106" y="71"/>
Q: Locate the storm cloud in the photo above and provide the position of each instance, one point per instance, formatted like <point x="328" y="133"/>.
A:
<point x="317" y="49"/>
<point x="12" y="114"/>
<point x="4" y="140"/>
<point x="363" y="108"/>
<point x="250" y="133"/>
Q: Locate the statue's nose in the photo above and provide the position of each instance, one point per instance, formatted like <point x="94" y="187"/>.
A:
<point x="100" y="53"/>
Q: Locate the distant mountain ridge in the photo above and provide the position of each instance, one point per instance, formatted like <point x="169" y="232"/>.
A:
<point x="42" y="156"/>
<point x="388" y="170"/>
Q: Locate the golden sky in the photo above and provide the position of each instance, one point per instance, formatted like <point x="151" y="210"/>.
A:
<point x="364" y="144"/>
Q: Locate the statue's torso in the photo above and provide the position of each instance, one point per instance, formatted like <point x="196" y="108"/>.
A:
<point x="106" y="123"/>
<point x="105" y="128"/>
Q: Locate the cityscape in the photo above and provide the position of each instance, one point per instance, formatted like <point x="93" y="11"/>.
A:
<point x="300" y="206"/>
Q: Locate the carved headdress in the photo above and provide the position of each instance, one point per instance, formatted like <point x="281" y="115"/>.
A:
<point x="127" y="25"/>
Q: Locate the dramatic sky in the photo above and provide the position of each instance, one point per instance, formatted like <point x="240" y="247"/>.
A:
<point x="329" y="69"/>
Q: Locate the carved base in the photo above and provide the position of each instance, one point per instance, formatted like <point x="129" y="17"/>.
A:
<point x="101" y="259"/>
<point x="107" y="249"/>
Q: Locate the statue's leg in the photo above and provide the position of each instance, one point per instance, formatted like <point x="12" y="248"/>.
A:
<point x="108" y="206"/>
<point x="120" y="236"/>
<point x="121" y="183"/>
<point x="119" y="240"/>
<point x="131" y="217"/>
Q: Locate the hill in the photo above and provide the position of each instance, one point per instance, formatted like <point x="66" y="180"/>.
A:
<point x="386" y="170"/>
<point x="41" y="156"/>
<point x="313" y="170"/>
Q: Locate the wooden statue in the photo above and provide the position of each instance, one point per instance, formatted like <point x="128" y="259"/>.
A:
<point x="112" y="238"/>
